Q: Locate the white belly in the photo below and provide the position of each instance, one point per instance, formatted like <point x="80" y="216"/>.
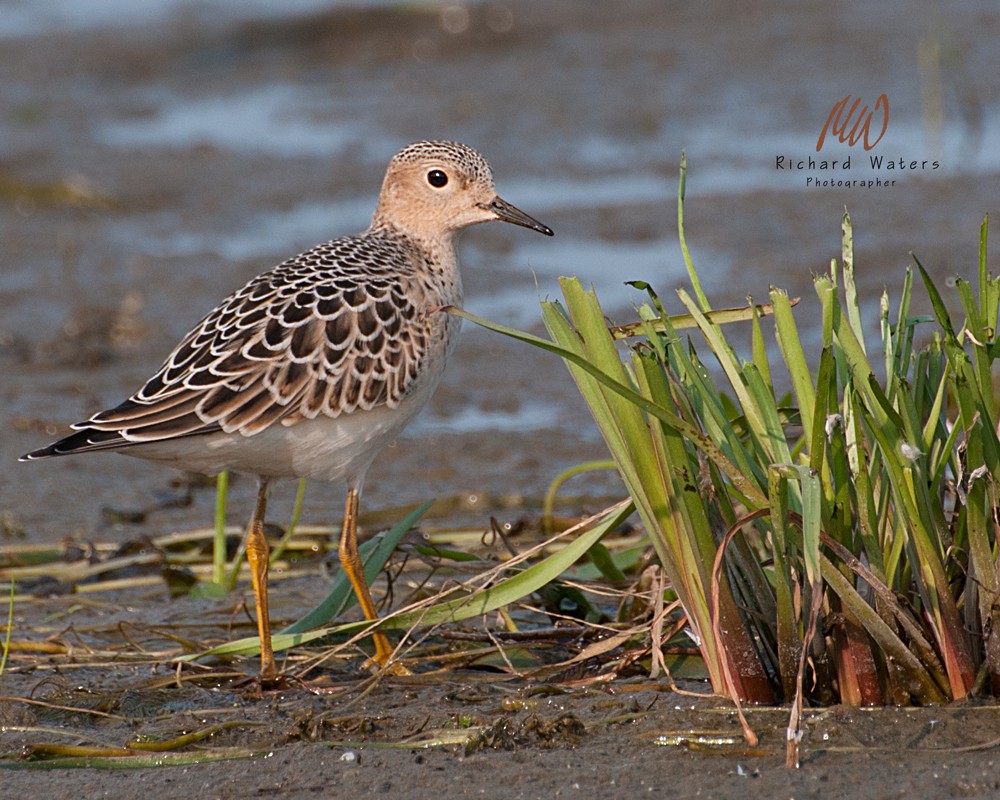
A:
<point x="328" y="449"/>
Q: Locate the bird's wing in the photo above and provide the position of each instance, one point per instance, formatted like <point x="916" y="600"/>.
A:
<point x="286" y="347"/>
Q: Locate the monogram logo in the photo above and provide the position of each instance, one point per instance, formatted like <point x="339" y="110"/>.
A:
<point x="841" y="117"/>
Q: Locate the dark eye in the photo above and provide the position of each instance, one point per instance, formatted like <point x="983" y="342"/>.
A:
<point x="437" y="178"/>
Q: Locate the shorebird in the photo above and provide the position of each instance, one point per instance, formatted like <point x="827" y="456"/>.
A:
<point x="313" y="367"/>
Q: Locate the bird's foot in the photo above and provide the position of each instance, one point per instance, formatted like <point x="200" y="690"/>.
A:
<point x="392" y="667"/>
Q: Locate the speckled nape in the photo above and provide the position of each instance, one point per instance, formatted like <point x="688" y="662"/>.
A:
<point x="313" y="367"/>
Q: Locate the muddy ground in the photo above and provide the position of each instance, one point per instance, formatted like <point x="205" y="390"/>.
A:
<point x="462" y="724"/>
<point x="152" y="159"/>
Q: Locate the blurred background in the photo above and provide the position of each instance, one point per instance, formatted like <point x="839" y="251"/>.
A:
<point x="154" y="156"/>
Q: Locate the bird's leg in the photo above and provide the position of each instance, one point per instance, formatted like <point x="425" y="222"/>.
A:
<point x="351" y="562"/>
<point x="257" y="555"/>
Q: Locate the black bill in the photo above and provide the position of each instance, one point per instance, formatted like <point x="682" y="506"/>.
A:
<point x="508" y="213"/>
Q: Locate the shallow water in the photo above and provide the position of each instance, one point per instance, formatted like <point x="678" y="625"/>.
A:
<point x="206" y="143"/>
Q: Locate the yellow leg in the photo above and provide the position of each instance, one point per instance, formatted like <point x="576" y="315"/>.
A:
<point x="351" y="562"/>
<point x="257" y="555"/>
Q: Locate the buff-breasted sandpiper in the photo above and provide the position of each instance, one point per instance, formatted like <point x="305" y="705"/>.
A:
<point x="315" y="366"/>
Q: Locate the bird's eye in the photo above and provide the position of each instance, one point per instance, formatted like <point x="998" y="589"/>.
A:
<point x="437" y="178"/>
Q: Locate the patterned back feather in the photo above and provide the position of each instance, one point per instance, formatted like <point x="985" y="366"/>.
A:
<point x="329" y="332"/>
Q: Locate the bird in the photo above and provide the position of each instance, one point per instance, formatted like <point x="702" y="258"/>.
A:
<point x="313" y="367"/>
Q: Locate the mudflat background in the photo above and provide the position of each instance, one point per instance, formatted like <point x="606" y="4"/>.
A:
<point x="154" y="157"/>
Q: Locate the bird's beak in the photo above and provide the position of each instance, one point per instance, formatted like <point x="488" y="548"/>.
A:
<point x="505" y="212"/>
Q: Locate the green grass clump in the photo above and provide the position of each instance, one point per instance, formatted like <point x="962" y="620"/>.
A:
<point x="842" y="538"/>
